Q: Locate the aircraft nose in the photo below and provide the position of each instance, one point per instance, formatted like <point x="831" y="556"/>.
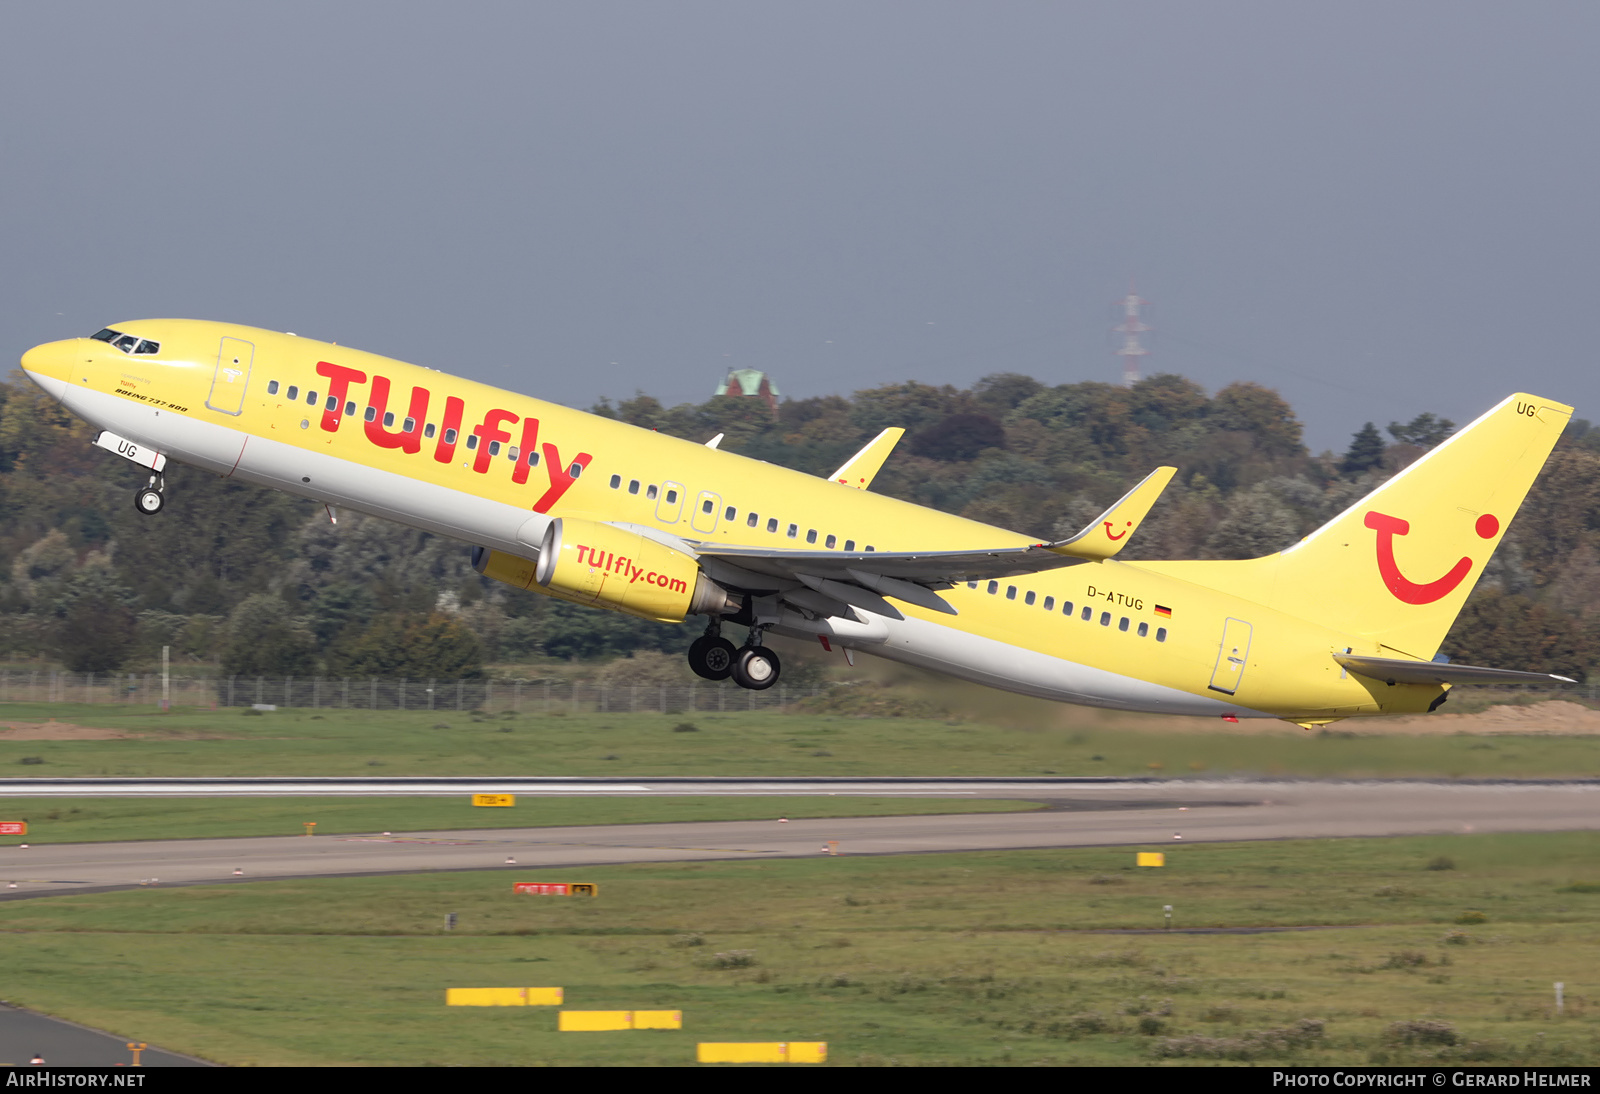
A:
<point x="50" y="365"/>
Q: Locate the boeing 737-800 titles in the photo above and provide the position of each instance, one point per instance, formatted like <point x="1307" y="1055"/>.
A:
<point x="1346" y="622"/>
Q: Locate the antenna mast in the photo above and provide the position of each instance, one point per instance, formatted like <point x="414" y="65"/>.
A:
<point x="1130" y="328"/>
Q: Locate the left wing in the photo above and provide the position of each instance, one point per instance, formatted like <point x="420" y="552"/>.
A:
<point x="832" y="582"/>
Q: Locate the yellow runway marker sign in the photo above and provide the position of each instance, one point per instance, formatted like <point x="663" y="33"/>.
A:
<point x="503" y="997"/>
<point x="1150" y="858"/>
<point x="494" y="800"/>
<point x="589" y="1021"/>
<point x="762" y="1052"/>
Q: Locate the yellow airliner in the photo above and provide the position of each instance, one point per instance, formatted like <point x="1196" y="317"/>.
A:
<point x="1346" y="622"/>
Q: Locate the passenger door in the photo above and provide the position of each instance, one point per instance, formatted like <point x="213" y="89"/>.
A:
<point x="232" y="376"/>
<point x="1231" y="658"/>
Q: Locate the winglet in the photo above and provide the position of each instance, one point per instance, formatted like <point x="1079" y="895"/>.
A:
<point x="859" y="470"/>
<point x="1111" y="529"/>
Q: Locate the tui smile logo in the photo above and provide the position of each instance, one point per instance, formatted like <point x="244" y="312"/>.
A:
<point x="1118" y="535"/>
<point x="1412" y="592"/>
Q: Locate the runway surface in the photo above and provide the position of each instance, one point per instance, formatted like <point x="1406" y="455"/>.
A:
<point x="1081" y="813"/>
<point x="24" y="1035"/>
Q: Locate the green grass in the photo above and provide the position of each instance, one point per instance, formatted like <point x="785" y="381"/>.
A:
<point x="73" y="820"/>
<point x="937" y="959"/>
<point x="1085" y="742"/>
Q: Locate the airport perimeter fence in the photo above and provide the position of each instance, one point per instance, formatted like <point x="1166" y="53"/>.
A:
<point x="373" y="693"/>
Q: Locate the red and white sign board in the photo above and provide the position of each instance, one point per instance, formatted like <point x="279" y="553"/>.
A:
<point x="555" y="888"/>
<point x="13" y="828"/>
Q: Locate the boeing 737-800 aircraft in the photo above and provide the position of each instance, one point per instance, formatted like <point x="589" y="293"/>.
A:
<point x="1346" y="622"/>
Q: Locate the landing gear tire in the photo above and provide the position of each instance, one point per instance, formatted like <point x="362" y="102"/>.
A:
<point x="756" y="668"/>
<point x="711" y="657"/>
<point x="149" y="501"/>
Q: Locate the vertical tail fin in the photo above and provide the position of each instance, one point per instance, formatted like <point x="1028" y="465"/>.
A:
<point x="1397" y="566"/>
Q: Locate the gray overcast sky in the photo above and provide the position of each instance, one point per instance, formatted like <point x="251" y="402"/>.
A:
<point x="1378" y="208"/>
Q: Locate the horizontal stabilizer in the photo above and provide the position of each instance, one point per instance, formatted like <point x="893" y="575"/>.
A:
<point x="1112" y="529"/>
<point x="859" y="470"/>
<point x="1393" y="670"/>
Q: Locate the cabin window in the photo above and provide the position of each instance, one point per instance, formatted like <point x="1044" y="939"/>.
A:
<point x="1049" y="603"/>
<point x="972" y="584"/>
<point x="849" y="545"/>
<point x="408" y="426"/>
<point x="672" y="497"/>
<point x="512" y="453"/>
<point x="1011" y="592"/>
<point x="1161" y="634"/>
<point x="1066" y="607"/>
<point x="472" y="441"/>
<point x="707" y="505"/>
<point x="388" y="419"/>
<point x="350" y="408"/>
<point x="576" y="470"/>
<point x="333" y="404"/>
<point x="449" y="436"/>
<point x="752" y="520"/>
<point x="994" y="587"/>
<point x="272" y="387"/>
<point x="616" y="482"/>
<point x="650" y="492"/>
<point x="870" y="547"/>
<point x="494" y="448"/>
<point x="831" y="541"/>
<point x="372" y="414"/>
<point x="1105" y="619"/>
<point x="311" y="398"/>
<point x="730" y="513"/>
<point x="794" y="530"/>
<point x="1029" y="598"/>
<point x="1122" y="624"/>
<point x="1088" y="613"/>
<point x="633" y="484"/>
<point x="533" y="458"/>
<point x="427" y="431"/>
<point x="811" y="535"/>
<point x="1144" y="629"/>
<point x="772" y="524"/>
<point x="293" y="393"/>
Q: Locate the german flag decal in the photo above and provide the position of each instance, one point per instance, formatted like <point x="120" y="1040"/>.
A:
<point x="1162" y="609"/>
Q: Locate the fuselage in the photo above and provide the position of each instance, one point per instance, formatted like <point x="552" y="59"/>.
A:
<point x="491" y="467"/>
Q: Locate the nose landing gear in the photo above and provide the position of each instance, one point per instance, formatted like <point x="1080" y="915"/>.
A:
<point x="152" y="496"/>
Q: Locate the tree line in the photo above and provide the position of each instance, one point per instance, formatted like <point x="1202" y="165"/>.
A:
<point x="257" y="582"/>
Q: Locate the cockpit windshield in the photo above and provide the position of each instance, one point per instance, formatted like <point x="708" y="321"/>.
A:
<point x="127" y="343"/>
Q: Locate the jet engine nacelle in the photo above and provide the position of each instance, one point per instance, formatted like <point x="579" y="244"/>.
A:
<point x="593" y="563"/>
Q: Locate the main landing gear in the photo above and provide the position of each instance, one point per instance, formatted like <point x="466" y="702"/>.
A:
<point x="152" y="496"/>
<point x="713" y="657"/>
